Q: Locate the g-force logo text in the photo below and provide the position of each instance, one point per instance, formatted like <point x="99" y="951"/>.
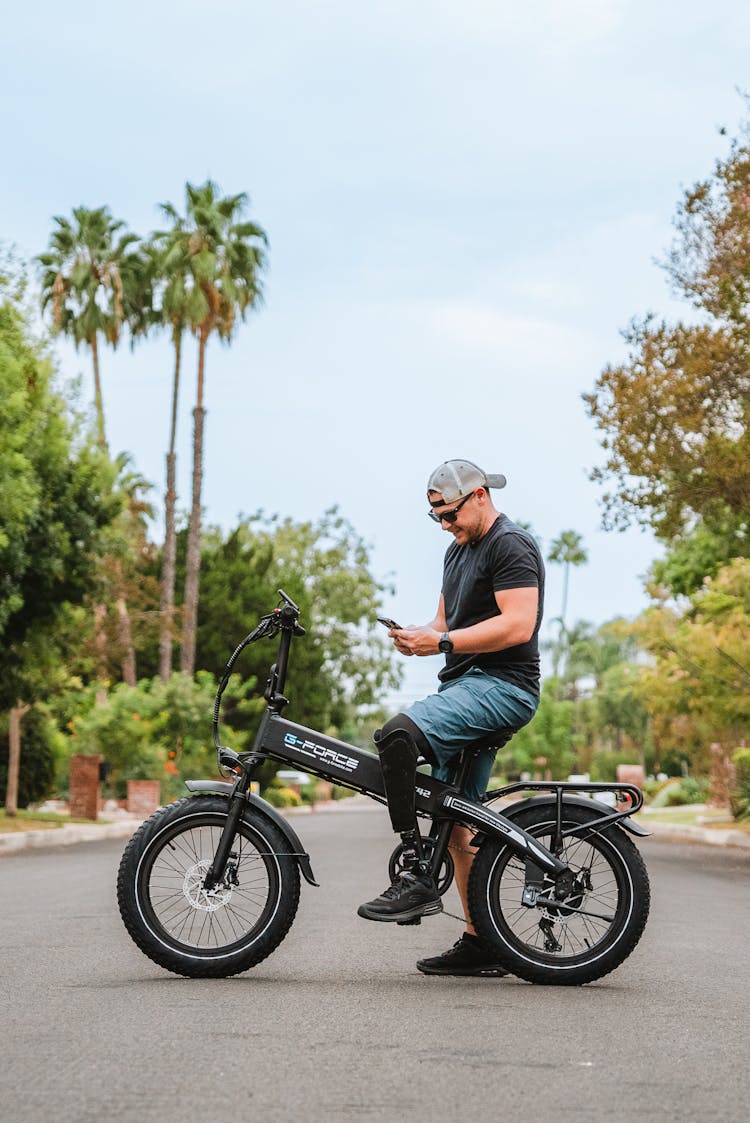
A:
<point x="321" y="753"/>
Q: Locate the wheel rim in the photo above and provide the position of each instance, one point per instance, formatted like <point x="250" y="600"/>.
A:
<point x="185" y="916"/>
<point x="558" y="935"/>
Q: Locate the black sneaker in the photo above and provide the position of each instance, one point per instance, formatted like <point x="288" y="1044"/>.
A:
<point x="406" y="898"/>
<point x="468" y="956"/>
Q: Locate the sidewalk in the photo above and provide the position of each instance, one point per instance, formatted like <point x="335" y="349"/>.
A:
<point x="681" y="832"/>
<point x="124" y="827"/>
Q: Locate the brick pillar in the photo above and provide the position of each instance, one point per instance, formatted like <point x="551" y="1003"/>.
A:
<point x="84" y="786"/>
<point x="144" y="796"/>
<point x="722" y="778"/>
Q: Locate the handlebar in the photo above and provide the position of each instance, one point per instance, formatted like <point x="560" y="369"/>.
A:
<point x="282" y="619"/>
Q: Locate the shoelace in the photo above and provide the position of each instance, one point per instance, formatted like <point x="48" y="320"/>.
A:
<point x="399" y="884"/>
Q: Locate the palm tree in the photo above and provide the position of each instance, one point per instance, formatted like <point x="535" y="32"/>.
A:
<point x="86" y="277"/>
<point x="167" y="282"/>
<point x="567" y="550"/>
<point x="215" y="261"/>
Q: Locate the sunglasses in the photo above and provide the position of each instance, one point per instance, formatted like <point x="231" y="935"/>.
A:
<point x="452" y="515"/>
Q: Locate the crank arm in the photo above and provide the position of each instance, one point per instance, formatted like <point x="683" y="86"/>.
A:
<point x="553" y="902"/>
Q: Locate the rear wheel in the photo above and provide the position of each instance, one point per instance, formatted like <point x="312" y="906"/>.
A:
<point x="182" y="926"/>
<point x="579" y="940"/>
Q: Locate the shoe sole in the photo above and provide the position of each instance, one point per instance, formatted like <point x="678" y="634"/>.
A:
<point x="483" y="973"/>
<point x="430" y="909"/>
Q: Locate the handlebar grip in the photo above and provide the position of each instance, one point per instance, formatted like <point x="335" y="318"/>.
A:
<point x="288" y="600"/>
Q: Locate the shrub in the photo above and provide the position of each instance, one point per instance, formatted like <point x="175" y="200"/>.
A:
<point x="282" y="797"/>
<point x="679" y="792"/>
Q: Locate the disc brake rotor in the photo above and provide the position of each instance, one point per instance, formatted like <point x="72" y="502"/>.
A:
<point x="206" y="900"/>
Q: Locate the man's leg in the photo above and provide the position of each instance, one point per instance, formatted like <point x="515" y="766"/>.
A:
<point x="468" y="956"/>
<point x="413" y="893"/>
<point x="463" y="854"/>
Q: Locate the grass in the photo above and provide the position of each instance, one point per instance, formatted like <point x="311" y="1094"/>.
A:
<point x="34" y="821"/>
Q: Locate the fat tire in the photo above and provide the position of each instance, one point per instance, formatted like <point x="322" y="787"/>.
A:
<point x="534" y="964"/>
<point x="142" y="921"/>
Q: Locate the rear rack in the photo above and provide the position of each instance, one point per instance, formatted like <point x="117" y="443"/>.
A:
<point x="560" y="788"/>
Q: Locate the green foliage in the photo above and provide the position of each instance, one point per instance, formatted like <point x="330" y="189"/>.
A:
<point x="680" y="792"/>
<point x="695" y="688"/>
<point x="701" y="552"/>
<point x="85" y="274"/>
<point x="549" y="735"/>
<point x="343" y="666"/>
<point x="282" y="797"/>
<point x="57" y="501"/>
<point x="89" y="279"/>
<point x="155" y="730"/>
<point x="208" y="264"/>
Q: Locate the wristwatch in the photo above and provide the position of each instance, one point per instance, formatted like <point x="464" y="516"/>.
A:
<point x="446" y="644"/>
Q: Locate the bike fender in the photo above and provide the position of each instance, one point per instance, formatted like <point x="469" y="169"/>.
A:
<point x="579" y="801"/>
<point x="220" y="787"/>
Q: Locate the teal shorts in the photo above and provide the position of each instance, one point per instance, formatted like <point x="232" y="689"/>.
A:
<point x="466" y="709"/>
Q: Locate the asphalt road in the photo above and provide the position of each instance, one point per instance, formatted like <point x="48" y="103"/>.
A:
<point x="338" y="1025"/>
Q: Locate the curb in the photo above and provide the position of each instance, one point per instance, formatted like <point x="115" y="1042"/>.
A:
<point x="714" y="836"/>
<point x="71" y="833"/>
<point x="66" y="835"/>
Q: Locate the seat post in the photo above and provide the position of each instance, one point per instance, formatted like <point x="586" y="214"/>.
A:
<point x="464" y="767"/>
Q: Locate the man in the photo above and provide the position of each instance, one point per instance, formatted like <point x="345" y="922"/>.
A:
<point x="487" y="624"/>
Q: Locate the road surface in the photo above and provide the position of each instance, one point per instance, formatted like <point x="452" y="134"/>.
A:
<point x="338" y="1025"/>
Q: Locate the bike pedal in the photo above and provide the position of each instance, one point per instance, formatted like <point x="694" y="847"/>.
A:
<point x="414" y="920"/>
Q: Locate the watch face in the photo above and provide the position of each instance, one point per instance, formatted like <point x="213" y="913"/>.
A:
<point x="445" y="646"/>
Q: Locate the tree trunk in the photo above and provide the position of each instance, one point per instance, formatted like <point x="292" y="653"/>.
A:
<point x="14" y="757"/>
<point x="170" y="534"/>
<point x="98" y="400"/>
<point x="124" y="631"/>
<point x="100" y="645"/>
<point x="192" y="574"/>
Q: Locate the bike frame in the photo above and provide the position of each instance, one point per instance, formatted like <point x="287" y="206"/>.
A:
<point x="341" y="763"/>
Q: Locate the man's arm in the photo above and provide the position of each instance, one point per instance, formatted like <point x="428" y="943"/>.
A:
<point x="515" y="625"/>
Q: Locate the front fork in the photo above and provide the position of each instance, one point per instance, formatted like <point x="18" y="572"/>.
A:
<point x="237" y="804"/>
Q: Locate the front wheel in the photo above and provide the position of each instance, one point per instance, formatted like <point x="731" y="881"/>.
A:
<point x="180" y="925"/>
<point x="579" y="940"/>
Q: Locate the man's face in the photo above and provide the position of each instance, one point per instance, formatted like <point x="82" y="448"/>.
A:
<point x="466" y="522"/>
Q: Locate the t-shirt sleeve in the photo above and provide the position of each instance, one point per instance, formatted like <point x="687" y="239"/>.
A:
<point x="514" y="564"/>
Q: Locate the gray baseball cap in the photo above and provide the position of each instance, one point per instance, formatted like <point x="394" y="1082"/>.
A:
<point x="455" y="478"/>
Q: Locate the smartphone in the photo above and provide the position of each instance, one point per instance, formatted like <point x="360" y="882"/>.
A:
<point x="387" y="623"/>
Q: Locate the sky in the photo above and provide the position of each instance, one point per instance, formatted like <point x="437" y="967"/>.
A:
<point x="465" y="202"/>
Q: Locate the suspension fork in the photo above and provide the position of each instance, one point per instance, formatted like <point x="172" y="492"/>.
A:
<point x="237" y="805"/>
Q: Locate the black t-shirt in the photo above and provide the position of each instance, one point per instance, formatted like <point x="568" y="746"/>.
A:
<point x="506" y="557"/>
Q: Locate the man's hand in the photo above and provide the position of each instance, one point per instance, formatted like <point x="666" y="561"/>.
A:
<point x="416" y="641"/>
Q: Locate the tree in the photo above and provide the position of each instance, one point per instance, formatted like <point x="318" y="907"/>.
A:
<point x="567" y="550"/>
<point x="700" y="553"/>
<point x="171" y="279"/>
<point x="675" y="416"/>
<point x="696" y="688"/>
<point x="57" y="499"/>
<point x="676" y="419"/>
<point x="218" y="261"/>
<point x="343" y="666"/>
<point x="86" y="275"/>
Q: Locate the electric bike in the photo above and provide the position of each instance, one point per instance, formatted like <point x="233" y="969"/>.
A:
<point x="209" y="885"/>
